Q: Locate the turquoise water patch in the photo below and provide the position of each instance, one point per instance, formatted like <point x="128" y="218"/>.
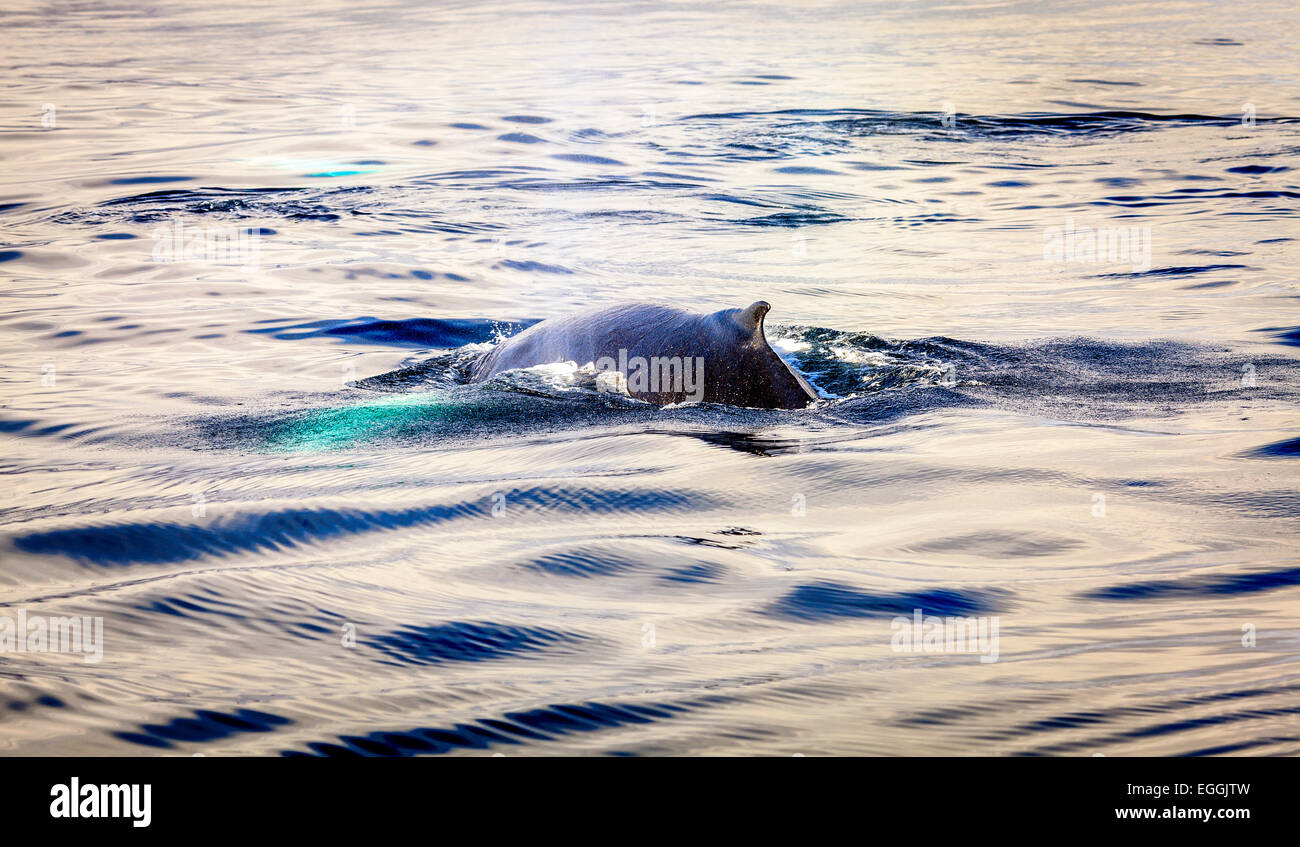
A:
<point x="338" y="429"/>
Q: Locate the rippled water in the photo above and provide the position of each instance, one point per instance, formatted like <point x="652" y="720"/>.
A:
<point x="306" y="534"/>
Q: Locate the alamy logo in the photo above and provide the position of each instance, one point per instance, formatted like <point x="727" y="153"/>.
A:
<point x="946" y="635"/>
<point x="635" y="375"/>
<point x="39" y="634"/>
<point x="220" y="245"/>
<point x="93" y="800"/>
<point x="1098" y="245"/>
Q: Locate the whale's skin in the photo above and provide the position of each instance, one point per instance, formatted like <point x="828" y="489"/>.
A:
<point x="740" y="368"/>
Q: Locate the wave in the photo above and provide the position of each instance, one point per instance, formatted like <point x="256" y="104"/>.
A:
<point x="867" y="121"/>
<point x="205" y="726"/>
<point x="465" y="641"/>
<point x="260" y="532"/>
<point x="512" y="729"/>
<point x="1095" y="729"/>
<point x="422" y="333"/>
<point x="1217" y="585"/>
<point x="820" y="601"/>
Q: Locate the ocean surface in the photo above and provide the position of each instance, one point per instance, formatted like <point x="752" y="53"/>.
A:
<point x="1039" y="259"/>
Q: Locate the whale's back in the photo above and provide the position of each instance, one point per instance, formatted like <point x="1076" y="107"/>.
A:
<point x="740" y="368"/>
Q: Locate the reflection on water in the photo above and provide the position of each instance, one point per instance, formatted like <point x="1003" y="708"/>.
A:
<point x="1038" y="260"/>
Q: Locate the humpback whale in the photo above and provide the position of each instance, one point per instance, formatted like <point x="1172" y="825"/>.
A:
<point x="661" y="354"/>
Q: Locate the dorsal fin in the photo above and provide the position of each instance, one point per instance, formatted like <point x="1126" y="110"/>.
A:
<point x="750" y="318"/>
